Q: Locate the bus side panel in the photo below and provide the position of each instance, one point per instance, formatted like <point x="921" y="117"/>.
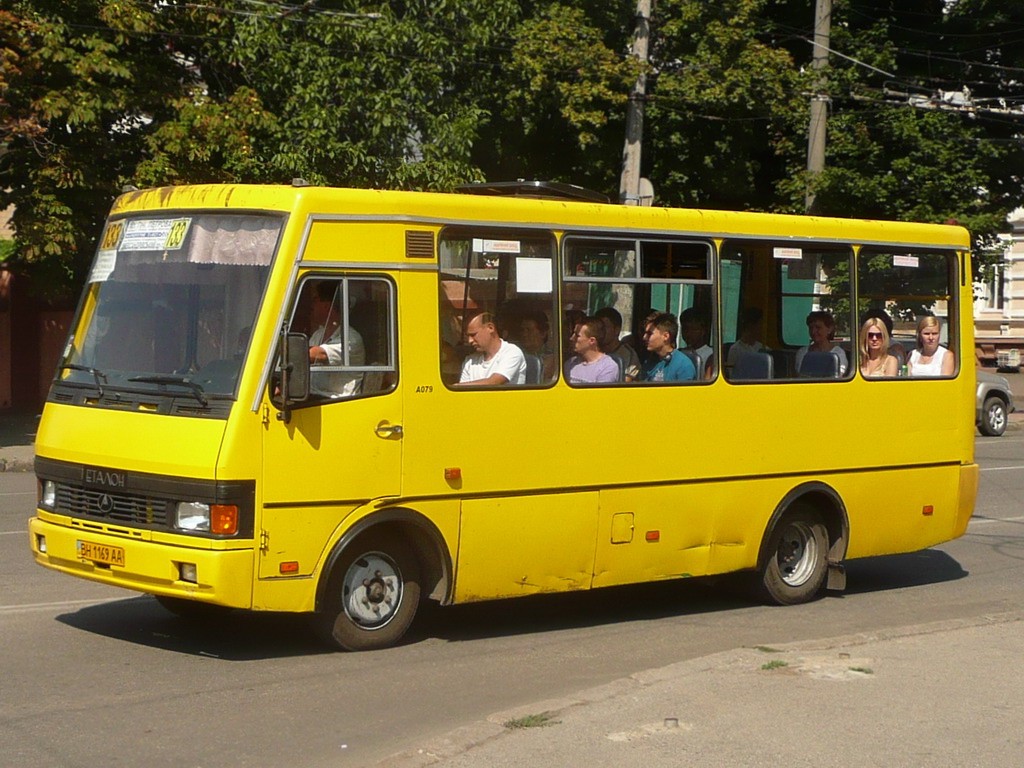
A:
<point x="650" y="533"/>
<point x="968" y="492"/>
<point x="524" y="545"/>
<point x="901" y="510"/>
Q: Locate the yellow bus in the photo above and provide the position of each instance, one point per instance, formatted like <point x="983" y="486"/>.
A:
<point x="265" y="401"/>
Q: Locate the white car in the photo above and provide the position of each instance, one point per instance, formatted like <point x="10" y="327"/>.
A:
<point x="994" y="404"/>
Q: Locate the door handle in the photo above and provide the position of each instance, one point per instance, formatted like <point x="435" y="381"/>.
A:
<point x="385" y="430"/>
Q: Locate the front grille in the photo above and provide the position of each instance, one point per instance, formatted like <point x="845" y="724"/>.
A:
<point x="111" y="507"/>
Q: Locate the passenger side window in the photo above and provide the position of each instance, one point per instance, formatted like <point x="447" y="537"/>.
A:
<point x="655" y="299"/>
<point x="498" y="326"/>
<point x="787" y="311"/>
<point x="350" y="323"/>
<point x="907" y="306"/>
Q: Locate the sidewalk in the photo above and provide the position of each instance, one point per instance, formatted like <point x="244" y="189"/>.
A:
<point x="949" y="694"/>
<point x="17" y="433"/>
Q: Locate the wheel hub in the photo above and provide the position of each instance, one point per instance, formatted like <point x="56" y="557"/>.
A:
<point x="372" y="590"/>
<point x="797" y="553"/>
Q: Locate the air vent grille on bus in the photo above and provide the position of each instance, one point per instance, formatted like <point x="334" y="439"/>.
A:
<point x="419" y="244"/>
<point x="112" y="507"/>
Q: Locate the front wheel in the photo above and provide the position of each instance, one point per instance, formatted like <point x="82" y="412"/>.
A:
<point x="373" y="595"/>
<point x="993" y="417"/>
<point x="796" y="562"/>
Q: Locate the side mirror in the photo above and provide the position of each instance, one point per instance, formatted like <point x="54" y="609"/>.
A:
<point x="294" y="372"/>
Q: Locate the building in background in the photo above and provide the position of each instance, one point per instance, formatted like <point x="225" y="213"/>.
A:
<point x="999" y="303"/>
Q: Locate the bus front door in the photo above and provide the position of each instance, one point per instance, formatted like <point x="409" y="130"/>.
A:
<point x="343" y="448"/>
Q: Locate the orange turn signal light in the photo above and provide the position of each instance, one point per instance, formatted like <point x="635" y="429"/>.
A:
<point x="653" y="536"/>
<point x="453" y="473"/>
<point x="928" y="510"/>
<point x="224" y="519"/>
<point x="289" y="566"/>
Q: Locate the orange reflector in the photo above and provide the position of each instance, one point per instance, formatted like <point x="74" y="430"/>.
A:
<point x="223" y="519"/>
<point x="653" y="535"/>
<point x="452" y="473"/>
<point x="291" y="566"/>
<point x="927" y="510"/>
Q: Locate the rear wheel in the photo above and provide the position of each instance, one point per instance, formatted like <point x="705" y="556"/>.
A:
<point x="993" y="417"/>
<point x="796" y="562"/>
<point x="373" y="595"/>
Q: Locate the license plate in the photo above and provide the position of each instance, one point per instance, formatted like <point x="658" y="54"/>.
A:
<point x="101" y="553"/>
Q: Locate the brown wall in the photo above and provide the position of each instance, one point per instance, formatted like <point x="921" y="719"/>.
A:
<point x="5" y="358"/>
<point x="32" y="338"/>
<point x="53" y="333"/>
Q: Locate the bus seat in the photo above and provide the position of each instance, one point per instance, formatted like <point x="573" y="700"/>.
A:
<point x="819" y="365"/>
<point x="783" y="363"/>
<point x="619" y="364"/>
<point x="752" y="366"/>
<point x="534" y="369"/>
<point x="698" y="367"/>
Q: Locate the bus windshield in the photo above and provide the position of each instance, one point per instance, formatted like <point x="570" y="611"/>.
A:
<point x="170" y="305"/>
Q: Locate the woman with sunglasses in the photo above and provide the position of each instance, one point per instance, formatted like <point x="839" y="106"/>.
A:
<point x="930" y="359"/>
<point x="875" y="359"/>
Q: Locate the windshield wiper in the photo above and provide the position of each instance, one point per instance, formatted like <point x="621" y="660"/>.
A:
<point x="181" y="381"/>
<point x="97" y="375"/>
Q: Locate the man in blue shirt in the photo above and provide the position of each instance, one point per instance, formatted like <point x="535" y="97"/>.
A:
<point x="670" y="364"/>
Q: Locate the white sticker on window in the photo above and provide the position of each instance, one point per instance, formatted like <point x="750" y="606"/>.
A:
<point x="155" y="234"/>
<point x="788" y="253"/>
<point x="533" y="275"/>
<point x="104" y="265"/>
<point x="899" y="260"/>
<point x="495" y="246"/>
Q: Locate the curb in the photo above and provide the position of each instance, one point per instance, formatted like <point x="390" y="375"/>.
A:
<point x="466" y="738"/>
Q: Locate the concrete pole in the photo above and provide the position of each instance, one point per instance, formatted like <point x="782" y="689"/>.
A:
<point x="819" y="99"/>
<point x="629" y="184"/>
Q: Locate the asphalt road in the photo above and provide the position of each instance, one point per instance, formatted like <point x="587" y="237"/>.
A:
<point x="93" y="675"/>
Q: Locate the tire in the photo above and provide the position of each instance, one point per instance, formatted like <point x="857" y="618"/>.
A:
<point x="796" y="560"/>
<point x="993" y="417"/>
<point x="372" y="596"/>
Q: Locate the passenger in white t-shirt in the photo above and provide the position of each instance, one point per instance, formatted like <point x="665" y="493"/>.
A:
<point x="495" y="361"/>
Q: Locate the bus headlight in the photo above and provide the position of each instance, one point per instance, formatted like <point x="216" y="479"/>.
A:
<point x="192" y="516"/>
<point x="48" y="494"/>
<point x="221" y="519"/>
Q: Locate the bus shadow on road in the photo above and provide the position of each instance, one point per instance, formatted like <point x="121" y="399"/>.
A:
<point x="913" y="569"/>
<point x="230" y="635"/>
<point x="244" y="636"/>
<point x="649" y="602"/>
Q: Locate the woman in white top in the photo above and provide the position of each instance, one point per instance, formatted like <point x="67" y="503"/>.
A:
<point x="875" y="359"/>
<point x="821" y="327"/>
<point x="930" y="359"/>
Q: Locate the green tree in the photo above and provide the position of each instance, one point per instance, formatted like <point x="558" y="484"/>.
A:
<point x="560" y="98"/>
<point x="720" y="96"/>
<point x="78" y="88"/>
<point x="337" y="93"/>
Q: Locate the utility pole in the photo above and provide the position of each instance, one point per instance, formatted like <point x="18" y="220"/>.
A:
<point x="629" y="184"/>
<point x="819" y="99"/>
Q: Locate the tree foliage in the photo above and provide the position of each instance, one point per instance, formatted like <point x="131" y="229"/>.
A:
<point x="77" y="96"/>
<point x="425" y="94"/>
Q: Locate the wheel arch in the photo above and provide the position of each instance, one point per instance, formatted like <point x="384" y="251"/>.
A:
<point x="415" y="530"/>
<point x="826" y="501"/>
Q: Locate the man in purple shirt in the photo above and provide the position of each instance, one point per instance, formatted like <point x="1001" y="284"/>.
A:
<point x="590" y="365"/>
